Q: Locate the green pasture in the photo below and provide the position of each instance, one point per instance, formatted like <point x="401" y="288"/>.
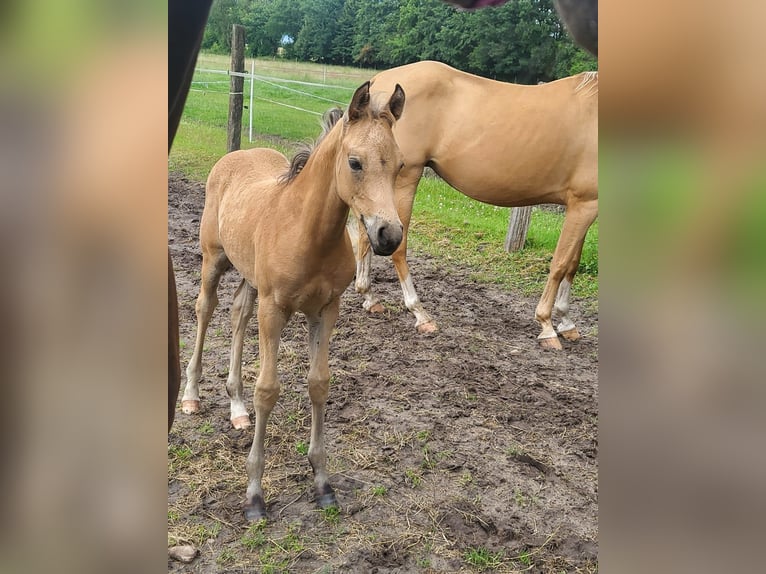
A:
<point x="445" y="223"/>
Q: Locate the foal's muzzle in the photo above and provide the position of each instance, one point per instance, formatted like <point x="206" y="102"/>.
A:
<point x="385" y="236"/>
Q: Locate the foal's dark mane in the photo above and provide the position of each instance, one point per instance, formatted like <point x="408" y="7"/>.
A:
<point x="329" y="119"/>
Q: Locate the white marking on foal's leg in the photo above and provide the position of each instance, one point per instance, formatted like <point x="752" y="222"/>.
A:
<point x="566" y="326"/>
<point x="423" y="321"/>
<point x="241" y="312"/>
<point x="363" y="282"/>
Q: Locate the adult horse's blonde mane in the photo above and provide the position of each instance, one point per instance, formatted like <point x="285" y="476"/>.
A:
<point x="589" y="82"/>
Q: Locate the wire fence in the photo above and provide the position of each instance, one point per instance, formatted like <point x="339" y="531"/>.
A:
<point x="201" y="84"/>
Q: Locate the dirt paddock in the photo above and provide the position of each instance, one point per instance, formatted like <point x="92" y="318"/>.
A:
<point x="467" y="450"/>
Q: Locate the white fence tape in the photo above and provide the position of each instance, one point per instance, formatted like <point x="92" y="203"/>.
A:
<point x="271" y="81"/>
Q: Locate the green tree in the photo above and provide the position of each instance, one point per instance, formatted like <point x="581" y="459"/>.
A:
<point x="217" y="35"/>
<point x="320" y="21"/>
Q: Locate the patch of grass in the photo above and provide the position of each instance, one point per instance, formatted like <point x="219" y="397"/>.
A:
<point x="428" y="460"/>
<point x="173" y="516"/>
<point x="180" y="452"/>
<point x="520" y="498"/>
<point x="255" y="536"/>
<point x="466" y="478"/>
<point x="204" y="532"/>
<point x="514" y="450"/>
<point x="226" y="557"/>
<point x="423" y="435"/>
<point x="331" y="514"/>
<point x="413" y="477"/>
<point x="206" y="428"/>
<point x="302" y="447"/>
<point x="379" y="490"/>
<point x="482" y="558"/>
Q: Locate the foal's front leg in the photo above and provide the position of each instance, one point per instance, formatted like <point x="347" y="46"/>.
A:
<point x="363" y="256"/>
<point x="271" y="321"/>
<point x="320" y="328"/>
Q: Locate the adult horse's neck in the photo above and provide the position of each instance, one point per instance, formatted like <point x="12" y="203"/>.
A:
<point x="323" y="213"/>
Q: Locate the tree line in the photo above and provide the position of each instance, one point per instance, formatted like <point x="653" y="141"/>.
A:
<point x="522" y="41"/>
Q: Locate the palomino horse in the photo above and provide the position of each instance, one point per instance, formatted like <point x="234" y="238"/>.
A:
<point x="282" y="226"/>
<point x="502" y="144"/>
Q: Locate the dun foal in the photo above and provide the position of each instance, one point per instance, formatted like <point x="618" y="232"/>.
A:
<point x="502" y="144"/>
<point x="282" y="226"/>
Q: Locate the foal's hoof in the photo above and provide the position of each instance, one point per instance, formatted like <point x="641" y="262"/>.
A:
<point x="377" y="308"/>
<point x="570" y="334"/>
<point x="327" y="499"/>
<point x="190" y="407"/>
<point x="241" y="422"/>
<point x="427" y="328"/>
<point x="256" y="510"/>
<point x="550" y="343"/>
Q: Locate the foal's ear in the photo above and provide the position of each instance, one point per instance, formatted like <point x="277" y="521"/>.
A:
<point x="359" y="102"/>
<point x="396" y="103"/>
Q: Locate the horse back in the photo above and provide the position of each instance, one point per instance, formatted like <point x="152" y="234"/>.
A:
<point x="501" y="143"/>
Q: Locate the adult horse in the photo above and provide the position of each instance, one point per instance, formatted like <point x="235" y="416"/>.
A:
<point x="283" y="226"/>
<point x="502" y="144"/>
<point x="579" y="16"/>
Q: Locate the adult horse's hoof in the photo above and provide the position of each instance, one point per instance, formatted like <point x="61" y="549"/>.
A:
<point x="571" y="334"/>
<point x="427" y="328"/>
<point x="190" y="407"/>
<point x="327" y="499"/>
<point x="256" y="510"/>
<point x="241" y="422"/>
<point x="550" y="343"/>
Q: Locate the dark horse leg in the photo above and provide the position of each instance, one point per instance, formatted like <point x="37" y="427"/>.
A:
<point x="186" y="22"/>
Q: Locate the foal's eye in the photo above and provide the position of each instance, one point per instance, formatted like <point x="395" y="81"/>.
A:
<point x="354" y="164"/>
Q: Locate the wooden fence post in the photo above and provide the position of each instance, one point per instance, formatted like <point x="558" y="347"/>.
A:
<point x="236" y="86"/>
<point x="517" y="228"/>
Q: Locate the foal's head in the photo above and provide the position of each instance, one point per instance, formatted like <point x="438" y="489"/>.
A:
<point x="367" y="165"/>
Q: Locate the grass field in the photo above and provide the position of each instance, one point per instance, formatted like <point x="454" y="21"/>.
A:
<point x="445" y="223"/>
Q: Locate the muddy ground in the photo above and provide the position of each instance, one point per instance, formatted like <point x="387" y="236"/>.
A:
<point x="465" y="450"/>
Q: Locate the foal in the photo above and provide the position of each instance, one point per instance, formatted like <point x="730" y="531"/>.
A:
<point x="283" y="227"/>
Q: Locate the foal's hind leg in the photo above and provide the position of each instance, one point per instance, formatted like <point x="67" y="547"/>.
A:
<point x="320" y="328"/>
<point x="241" y="312"/>
<point x="566" y="258"/>
<point x="214" y="263"/>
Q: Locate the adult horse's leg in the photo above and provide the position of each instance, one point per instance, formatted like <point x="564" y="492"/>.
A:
<point x="578" y="219"/>
<point x="320" y="328"/>
<point x="271" y="321"/>
<point x="566" y="326"/>
<point x="407" y="185"/>
<point x="174" y="358"/>
<point x="241" y="312"/>
<point x="214" y="263"/>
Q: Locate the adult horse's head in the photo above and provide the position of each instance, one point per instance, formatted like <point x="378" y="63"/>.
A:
<point x="368" y="164"/>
